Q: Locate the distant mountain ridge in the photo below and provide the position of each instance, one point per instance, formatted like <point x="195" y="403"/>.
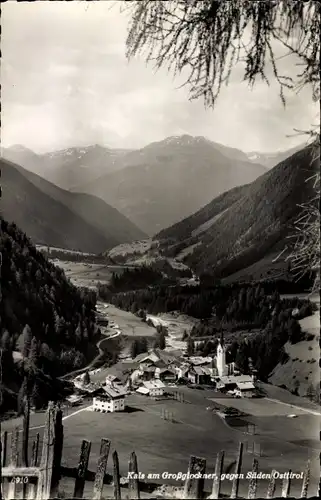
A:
<point x="249" y="223"/>
<point x="269" y="160"/>
<point x="52" y="216"/>
<point x="167" y="180"/>
<point x="155" y="186"/>
<point x="67" y="167"/>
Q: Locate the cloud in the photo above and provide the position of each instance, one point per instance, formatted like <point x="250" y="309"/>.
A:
<point x="66" y="82"/>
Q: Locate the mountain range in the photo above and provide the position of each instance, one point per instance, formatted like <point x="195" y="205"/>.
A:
<point x="247" y="226"/>
<point x="153" y="187"/>
<point x="166" y="181"/>
<point x="56" y="217"/>
<point x="67" y="167"/>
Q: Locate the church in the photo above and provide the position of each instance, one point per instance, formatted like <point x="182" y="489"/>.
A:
<point x="227" y="378"/>
<point x="219" y="367"/>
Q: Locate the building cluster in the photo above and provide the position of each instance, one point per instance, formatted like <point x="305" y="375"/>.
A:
<point x="151" y="373"/>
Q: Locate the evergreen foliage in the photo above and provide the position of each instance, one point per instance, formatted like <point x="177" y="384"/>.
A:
<point x="40" y="310"/>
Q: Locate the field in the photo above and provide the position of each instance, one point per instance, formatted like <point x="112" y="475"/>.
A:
<point x="85" y="274"/>
<point x="166" y="446"/>
<point x="128" y="323"/>
<point x="128" y="249"/>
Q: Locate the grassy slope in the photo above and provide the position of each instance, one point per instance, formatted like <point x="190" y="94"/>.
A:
<point x="299" y="366"/>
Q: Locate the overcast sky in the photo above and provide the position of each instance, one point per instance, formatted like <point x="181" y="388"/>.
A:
<point x="66" y="82"/>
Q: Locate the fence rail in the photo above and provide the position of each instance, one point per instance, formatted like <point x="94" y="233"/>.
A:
<point x="41" y="482"/>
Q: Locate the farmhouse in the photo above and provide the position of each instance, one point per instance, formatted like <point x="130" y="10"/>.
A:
<point x="245" y="389"/>
<point x="239" y="385"/>
<point x="167" y="375"/>
<point x="199" y="375"/>
<point x="111" y="399"/>
<point x="152" y="388"/>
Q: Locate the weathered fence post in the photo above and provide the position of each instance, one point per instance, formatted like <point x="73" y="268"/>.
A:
<point x="13" y="462"/>
<point x="82" y="469"/>
<point x="101" y="469"/>
<point x="25" y="439"/>
<point x="271" y="487"/>
<point x="253" y="480"/>
<point x="236" y="479"/>
<point x="306" y="480"/>
<point x="216" y="488"/>
<point x="194" y="486"/>
<point x="286" y="485"/>
<point x="58" y="446"/>
<point x="4" y="441"/>
<point x="116" y="476"/>
<point x="133" y="483"/>
<point x="48" y="460"/>
<point x="25" y="432"/>
<point x="35" y="448"/>
<point x="34" y="459"/>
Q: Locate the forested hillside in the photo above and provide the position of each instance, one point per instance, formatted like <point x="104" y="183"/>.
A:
<point x="43" y="317"/>
<point x="246" y="224"/>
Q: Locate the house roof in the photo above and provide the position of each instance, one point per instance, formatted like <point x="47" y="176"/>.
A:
<point x="154" y="384"/>
<point x="114" y="392"/>
<point x="245" y="386"/>
<point x="73" y="398"/>
<point x="142" y="390"/>
<point x="169" y="370"/>
<point x="236" y="379"/>
<point x="199" y="360"/>
<point x="147" y="356"/>
<point x="198" y="370"/>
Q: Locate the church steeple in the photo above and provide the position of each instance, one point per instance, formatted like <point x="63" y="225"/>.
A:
<point x="220" y="357"/>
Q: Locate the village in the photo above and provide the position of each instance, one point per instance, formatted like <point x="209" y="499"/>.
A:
<point x="156" y="373"/>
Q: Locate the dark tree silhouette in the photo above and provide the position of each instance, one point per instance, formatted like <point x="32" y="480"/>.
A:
<point x="205" y="40"/>
<point x="190" y="347"/>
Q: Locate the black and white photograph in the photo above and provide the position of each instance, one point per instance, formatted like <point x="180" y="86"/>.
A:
<point x="160" y="249"/>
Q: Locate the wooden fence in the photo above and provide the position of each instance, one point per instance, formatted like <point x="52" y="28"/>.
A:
<point x="41" y="480"/>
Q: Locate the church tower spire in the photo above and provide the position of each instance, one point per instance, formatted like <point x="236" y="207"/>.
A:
<point x="220" y="357"/>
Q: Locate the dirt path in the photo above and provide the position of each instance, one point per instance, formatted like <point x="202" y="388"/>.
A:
<point x="307" y="410"/>
<point x="63" y="418"/>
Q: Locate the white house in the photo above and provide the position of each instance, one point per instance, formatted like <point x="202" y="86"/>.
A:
<point x="245" y="389"/>
<point x="111" y="399"/>
<point x="152" y="388"/>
